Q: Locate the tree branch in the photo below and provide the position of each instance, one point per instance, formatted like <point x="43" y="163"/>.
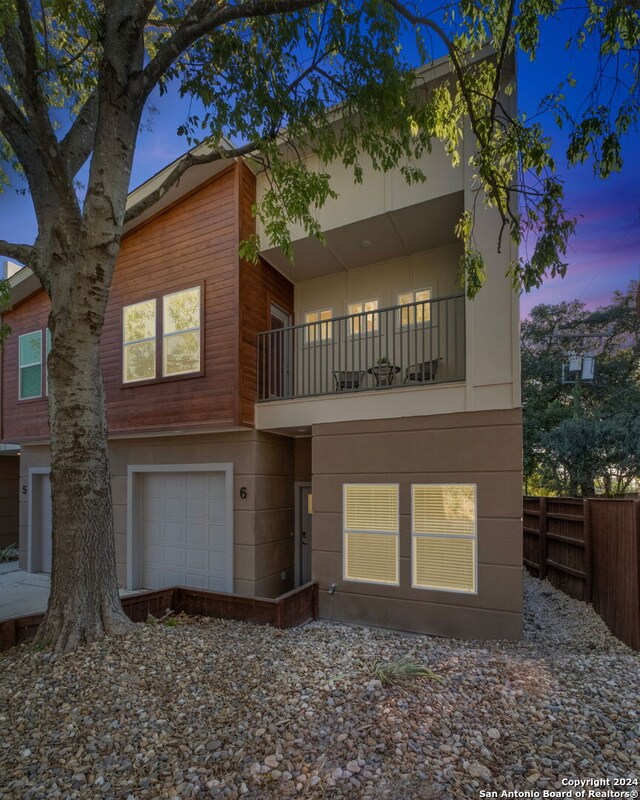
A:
<point x="201" y="20"/>
<point x="22" y="58"/>
<point x="186" y="162"/>
<point x="21" y="252"/>
<point x="77" y="144"/>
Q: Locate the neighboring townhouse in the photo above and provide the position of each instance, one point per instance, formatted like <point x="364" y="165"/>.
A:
<point x="349" y="418"/>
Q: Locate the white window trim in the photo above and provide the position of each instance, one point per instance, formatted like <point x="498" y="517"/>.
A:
<point x="464" y="536"/>
<point x="32" y="364"/>
<point x="345" y="531"/>
<point x="166" y="336"/>
<point x="326" y="322"/>
<point x="376" y="318"/>
<point x="126" y="343"/>
<point x="400" y="325"/>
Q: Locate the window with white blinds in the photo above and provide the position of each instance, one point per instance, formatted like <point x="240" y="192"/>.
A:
<point x="444" y="537"/>
<point x="371" y="530"/>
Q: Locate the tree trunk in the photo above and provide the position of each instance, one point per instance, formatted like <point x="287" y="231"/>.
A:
<point x="84" y="604"/>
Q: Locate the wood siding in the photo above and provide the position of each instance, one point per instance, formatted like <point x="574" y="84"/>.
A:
<point x="22" y="417"/>
<point x="195" y="242"/>
<point x="590" y="549"/>
<point x="260" y="286"/>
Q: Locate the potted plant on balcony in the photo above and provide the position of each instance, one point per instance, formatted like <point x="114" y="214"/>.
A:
<point x="384" y="371"/>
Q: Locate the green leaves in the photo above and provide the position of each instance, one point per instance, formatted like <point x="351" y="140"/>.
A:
<point x="281" y="80"/>
<point x="587" y="437"/>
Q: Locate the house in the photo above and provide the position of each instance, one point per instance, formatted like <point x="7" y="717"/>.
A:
<point x="349" y="418"/>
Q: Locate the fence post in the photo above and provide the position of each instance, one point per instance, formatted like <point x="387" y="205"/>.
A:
<point x="588" y="550"/>
<point x="634" y="638"/>
<point x="542" y="558"/>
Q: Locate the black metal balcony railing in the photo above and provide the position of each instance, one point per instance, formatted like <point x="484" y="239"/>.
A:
<point x="407" y="345"/>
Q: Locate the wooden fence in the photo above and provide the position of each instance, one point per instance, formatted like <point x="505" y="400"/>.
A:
<point x="590" y="549"/>
<point x="287" y="611"/>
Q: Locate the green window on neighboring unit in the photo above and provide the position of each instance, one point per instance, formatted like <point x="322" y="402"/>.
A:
<point x="30" y="365"/>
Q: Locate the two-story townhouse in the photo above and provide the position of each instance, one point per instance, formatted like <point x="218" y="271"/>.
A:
<point x="349" y="418"/>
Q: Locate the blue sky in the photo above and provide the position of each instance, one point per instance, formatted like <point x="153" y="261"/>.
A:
<point x="605" y="253"/>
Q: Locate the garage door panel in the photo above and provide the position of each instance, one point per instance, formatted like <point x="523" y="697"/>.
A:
<point x="218" y="538"/>
<point x="173" y="556"/>
<point x="152" y="507"/>
<point x="197" y="485"/>
<point x="174" y="507"/>
<point x="172" y="531"/>
<point x="175" y="483"/>
<point x="217" y="513"/>
<point x="197" y="509"/>
<point x="196" y="534"/>
<point x="151" y="553"/>
<point x="196" y="580"/>
<point x="186" y="537"/>
<point x="196" y="559"/>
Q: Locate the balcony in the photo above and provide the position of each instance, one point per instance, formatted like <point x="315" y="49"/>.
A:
<point x="417" y="344"/>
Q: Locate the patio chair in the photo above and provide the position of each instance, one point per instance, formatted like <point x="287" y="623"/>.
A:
<point x="345" y="380"/>
<point x="423" y="372"/>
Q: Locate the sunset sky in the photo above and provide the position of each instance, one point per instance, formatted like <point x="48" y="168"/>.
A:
<point x="604" y="254"/>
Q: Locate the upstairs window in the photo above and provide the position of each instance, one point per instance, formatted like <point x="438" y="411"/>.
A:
<point x="30" y="365"/>
<point x="139" y="341"/>
<point x="414" y="315"/>
<point x="181" y="332"/>
<point x="318" y="329"/>
<point x="444" y="537"/>
<point x="367" y="323"/>
<point x="162" y="337"/>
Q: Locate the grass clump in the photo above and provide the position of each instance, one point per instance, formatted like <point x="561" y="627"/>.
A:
<point x="402" y="670"/>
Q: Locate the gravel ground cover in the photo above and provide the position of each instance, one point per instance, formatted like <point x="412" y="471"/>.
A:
<point x="216" y="709"/>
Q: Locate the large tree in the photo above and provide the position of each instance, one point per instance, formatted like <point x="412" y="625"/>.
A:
<point x="74" y="81"/>
<point x="582" y="436"/>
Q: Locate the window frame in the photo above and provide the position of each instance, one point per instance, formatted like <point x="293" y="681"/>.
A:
<point x="464" y="536"/>
<point x="407" y="326"/>
<point x="159" y="339"/>
<point x="308" y="341"/>
<point x="40" y="364"/>
<point x="376" y="318"/>
<point x="346" y="531"/>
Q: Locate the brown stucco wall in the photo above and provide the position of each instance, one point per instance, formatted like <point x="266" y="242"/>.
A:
<point x="263" y="520"/>
<point x="9" y="488"/>
<point x="483" y="448"/>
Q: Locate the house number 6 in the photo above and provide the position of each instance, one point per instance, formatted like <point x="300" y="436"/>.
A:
<point x="243" y="492"/>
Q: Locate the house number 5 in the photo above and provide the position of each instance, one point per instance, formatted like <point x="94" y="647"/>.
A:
<point x="243" y="492"/>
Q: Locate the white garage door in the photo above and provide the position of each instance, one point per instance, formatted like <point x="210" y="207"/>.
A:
<point x="186" y="538"/>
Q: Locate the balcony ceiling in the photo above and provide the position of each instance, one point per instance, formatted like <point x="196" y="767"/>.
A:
<point x="391" y="235"/>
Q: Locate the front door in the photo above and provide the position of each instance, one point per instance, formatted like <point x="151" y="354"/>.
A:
<point x="305" y="534"/>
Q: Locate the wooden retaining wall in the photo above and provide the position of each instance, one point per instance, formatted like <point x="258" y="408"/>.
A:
<point x="590" y="549"/>
<point x="287" y="611"/>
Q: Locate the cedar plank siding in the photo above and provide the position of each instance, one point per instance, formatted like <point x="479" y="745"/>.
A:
<point x="193" y="242"/>
<point x="25" y="417"/>
<point x="260" y="286"/>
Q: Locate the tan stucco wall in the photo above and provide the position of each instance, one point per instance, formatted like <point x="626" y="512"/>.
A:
<point x="435" y="268"/>
<point x="378" y="193"/>
<point x="263" y="521"/>
<point x="484" y="448"/>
